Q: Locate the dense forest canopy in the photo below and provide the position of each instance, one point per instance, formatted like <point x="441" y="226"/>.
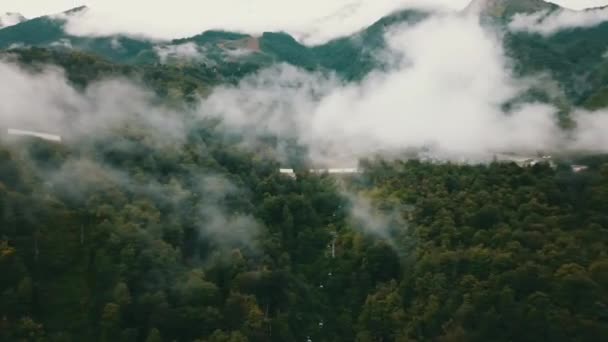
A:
<point x="209" y="242"/>
<point x="162" y="224"/>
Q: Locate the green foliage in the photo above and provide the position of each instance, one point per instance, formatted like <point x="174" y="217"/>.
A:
<point x="493" y="252"/>
<point x="575" y="58"/>
<point x="49" y="32"/>
<point x="350" y="57"/>
<point x="507" y="248"/>
<point x="506" y="9"/>
<point x="130" y="248"/>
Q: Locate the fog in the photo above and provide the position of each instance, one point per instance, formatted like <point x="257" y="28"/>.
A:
<point x="46" y="101"/>
<point x="446" y="93"/>
<point x="311" y="22"/>
<point x="548" y="24"/>
<point x="34" y="8"/>
<point x="187" y="51"/>
<point x="449" y="79"/>
<point x="10" y="19"/>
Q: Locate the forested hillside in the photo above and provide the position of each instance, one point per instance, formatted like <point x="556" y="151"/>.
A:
<point x="351" y="57"/>
<point x="150" y="219"/>
<point x="575" y="58"/>
<point x="209" y="242"/>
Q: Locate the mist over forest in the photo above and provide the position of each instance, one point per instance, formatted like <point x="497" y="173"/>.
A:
<point x="395" y="171"/>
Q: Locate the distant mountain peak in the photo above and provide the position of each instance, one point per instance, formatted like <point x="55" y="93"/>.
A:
<point x="10" y="19"/>
<point x="507" y="8"/>
<point x="79" y="9"/>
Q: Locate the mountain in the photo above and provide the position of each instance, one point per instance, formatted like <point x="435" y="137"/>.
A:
<point x="574" y="58"/>
<point x="152" y="223"/>
<point x="10" y="19"/>
<point x="172" y="82"/>
<point x="48" y="31"/>
<point x="215" y="48"/>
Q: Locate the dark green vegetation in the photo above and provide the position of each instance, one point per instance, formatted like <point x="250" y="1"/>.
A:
<point x="174" y="82"/>
<point x="489" y="253"/>
<point x="46" y="31"/>
<point x="575" y="58"/>
<point x="129" y="236"/>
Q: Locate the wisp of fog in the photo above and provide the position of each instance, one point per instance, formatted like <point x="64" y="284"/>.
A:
<point x="446" y="94"/>
<point x="550" y="23"/>
<point x="311" y="22"/>
<point x="444" y="90"/>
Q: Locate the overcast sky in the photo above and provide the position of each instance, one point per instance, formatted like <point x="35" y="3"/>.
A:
<point x="32" y="8"/>
<point x="310" y="21"/>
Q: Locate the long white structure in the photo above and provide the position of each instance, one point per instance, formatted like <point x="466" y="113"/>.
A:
<point x="288" y="172"/>
<point x="334" y="171"/>
<point x="41" y="135"/>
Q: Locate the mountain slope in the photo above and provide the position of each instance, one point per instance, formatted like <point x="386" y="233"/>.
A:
<point x="48" y="32"/>
<point x="164" y="225"/>
<point x="349" y="56"/>
<point x="507" y="8"/>
<point x="574" y="58"/>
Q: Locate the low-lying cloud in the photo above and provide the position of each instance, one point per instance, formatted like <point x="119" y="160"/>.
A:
<point x="444" y="93"/>
<point x="580" y="4"/>
<point x="10" y="19"/>
<point x="550" y="23"/>
<point x="187" y="51"/>
<point x="34" y="8"/>
<point x="312" y="22"/>
<point x="46" y="101"/>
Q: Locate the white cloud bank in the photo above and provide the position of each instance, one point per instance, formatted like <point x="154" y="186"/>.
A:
<point x="548" y="24"/>
<point x="447" y="94"/>
<point x="34" y="8"/>
<point x="188" y="51"/>
<point x="312" y="21"/>
<point x="46" y="102"/>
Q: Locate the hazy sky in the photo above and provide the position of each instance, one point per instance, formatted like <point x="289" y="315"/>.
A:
<point x="311" y="21"/>
<point x="32" y="8"/>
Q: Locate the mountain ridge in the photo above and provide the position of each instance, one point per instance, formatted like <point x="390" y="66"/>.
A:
<point x="575" y="58"/>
